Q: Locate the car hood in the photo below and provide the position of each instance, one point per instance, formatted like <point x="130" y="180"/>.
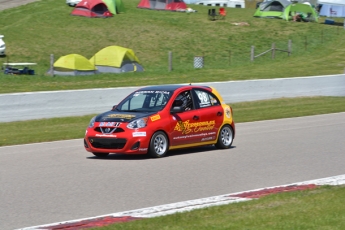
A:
<point x="117" y="116"/>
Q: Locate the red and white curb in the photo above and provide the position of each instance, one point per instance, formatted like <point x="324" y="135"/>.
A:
<point x="167" y="209"/>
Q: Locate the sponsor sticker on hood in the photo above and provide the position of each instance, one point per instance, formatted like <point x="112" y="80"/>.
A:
<point x="124" y="116"/>
<point x="116" y="117"/>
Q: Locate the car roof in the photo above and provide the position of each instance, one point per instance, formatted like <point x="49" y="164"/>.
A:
<point x="170" y="87"/>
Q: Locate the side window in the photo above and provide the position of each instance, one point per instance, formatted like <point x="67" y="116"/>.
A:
<point x="206" y="99"/>
<point x="185" y="100"/>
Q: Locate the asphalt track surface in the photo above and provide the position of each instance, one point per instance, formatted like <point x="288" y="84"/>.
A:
<point x="6" y="4"/>
<point x="59" y="181"/>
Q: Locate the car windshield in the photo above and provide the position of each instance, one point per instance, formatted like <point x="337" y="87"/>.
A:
<point x="145" y="101"/>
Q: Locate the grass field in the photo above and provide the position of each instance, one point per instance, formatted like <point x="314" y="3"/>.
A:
<point x="317" y="49"/>
<point x="304" y="210"/>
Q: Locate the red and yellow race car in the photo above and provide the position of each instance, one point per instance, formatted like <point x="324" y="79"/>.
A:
<point x="155" y="119"/>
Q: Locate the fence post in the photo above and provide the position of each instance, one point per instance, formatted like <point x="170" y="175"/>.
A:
<point x="252" y="54"/>
<point x="51" y="69"/>
<point x="229" y="57"/>
<point x="170" y="61"/>
<point x="273" y="50"/>
<point x="289" y="47"/>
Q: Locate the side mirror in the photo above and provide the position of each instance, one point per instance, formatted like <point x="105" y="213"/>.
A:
<point x="176" y="109"/>
<point x="114" y="107"/>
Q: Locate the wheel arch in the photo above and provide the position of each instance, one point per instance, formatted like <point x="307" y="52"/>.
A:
<point x="162" y="130"/>
<point x="226" y="124"/>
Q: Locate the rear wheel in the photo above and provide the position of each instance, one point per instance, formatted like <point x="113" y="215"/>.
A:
<point x="100" y="154"/>
<point x="225" y="138"/>
<point x="158" y="145"/>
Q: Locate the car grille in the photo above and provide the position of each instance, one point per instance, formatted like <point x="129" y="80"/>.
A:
<point x="107" y="143"/>
<point x="109" y="130"/>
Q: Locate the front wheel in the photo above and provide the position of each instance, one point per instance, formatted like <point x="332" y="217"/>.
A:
<point x="225" y="138"/>
<point x="158" y="145"/>
<point x="100" y="154"/>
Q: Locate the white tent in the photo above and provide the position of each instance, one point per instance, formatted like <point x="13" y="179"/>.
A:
<point x="190" y="1"/>
<point x="332" y="2"/>
<point x="332" y="8"/>
<point x="222" y="3"/>
<point x="312" y="2"/>
<point x="333" y="11"/>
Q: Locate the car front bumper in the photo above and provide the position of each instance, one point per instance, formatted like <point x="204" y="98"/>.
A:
<point x="135" y="142"/>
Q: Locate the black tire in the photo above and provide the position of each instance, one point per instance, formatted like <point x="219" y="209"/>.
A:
<point x="100" y="154"/>
<point x="225" y="138"/>
<point x="159" y="145"/>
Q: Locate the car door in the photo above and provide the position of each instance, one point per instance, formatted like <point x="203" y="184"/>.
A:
<point x="183" y="123"/>
<point x="211" y="114"/>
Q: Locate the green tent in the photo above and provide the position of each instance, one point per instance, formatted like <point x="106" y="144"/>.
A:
<point x="116" y="59"/>
<point x="307" y="9"/>
<point x="73" y="64"/>
<point x="115" y="6"/>
<point x="272" y="9"/>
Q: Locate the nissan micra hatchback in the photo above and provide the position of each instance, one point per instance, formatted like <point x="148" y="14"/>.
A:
<point x="155" y="119"/>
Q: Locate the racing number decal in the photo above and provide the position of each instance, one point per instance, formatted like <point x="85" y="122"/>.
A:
<point x="204" y="99"/>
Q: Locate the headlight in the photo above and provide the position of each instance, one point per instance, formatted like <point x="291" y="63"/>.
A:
<point x="139" y="123"/>
<point x="92" y="122"/>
